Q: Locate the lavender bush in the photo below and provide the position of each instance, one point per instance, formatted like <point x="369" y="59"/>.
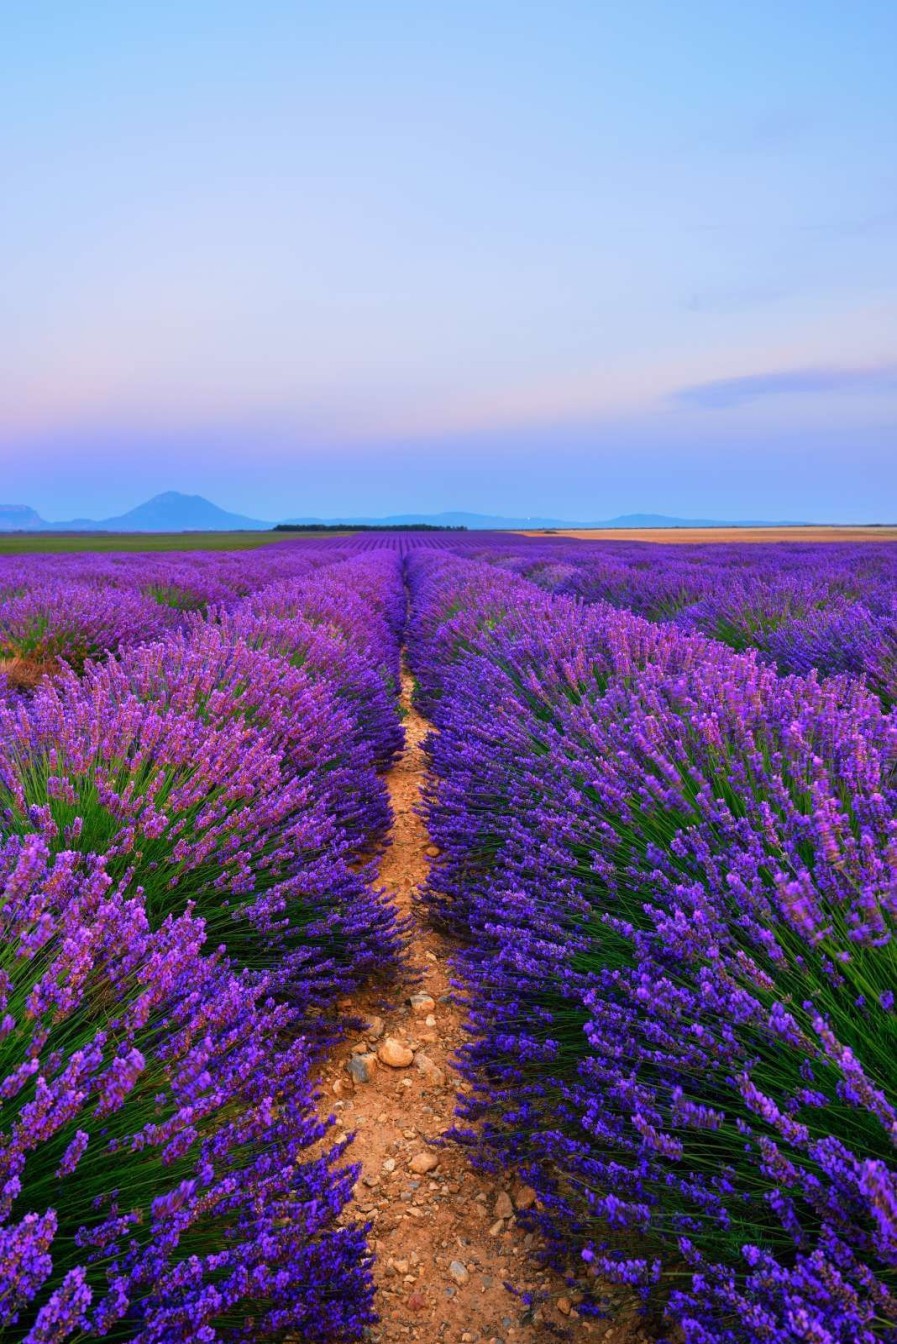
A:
<point x="232" y="672"/>
<point x="163" y="1175"/>
<point x="198" y="811"/>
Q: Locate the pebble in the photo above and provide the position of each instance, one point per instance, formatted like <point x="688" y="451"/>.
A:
<point x="503" y="1206"/>
<point x="524" y="1197"/>
<point x="395" y="1054"/>
<point x="424" y="1162"/>
<point x="362" y="1067"/>
<point x="375" y="1030"/>
<point x="497" y="1228"/>
<point x="564" y="1305"/>
<point x="431" y="1071"/>
<point x="422" y="1003"/>
<point x="458" y="1272"/>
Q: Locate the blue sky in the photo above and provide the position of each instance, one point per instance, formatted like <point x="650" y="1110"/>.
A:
<point x="576" y="258"/>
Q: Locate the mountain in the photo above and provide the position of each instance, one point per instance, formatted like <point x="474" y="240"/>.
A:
<point x="474" y="521"/>
<point x="20" y="518"/>
<point x="662" y="520"/>
<point x="173" y="512"/>
<point x="477" y="522"/>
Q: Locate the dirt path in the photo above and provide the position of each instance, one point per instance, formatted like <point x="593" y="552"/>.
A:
<point x="445" y="1238"/>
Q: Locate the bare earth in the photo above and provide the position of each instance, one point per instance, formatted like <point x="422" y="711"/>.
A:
<point x="445" y="1239"/>
<point x="678" y="536"/>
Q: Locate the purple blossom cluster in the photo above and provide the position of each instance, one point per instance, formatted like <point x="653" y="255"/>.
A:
<point x="187" y="831"/>
<point x="674" y="875"/>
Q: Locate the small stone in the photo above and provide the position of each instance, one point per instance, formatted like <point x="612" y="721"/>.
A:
<point x="395" y="1054"/>
<point x="497" y="1228"/>
<point x="422" y="1003"/>
<point x="432" y="851"/>
<point x="400" y="1266"/>
<point x="375" y="1030"/>
<point x="564" y="1306"/>
<point x="431" y="1071"/>
<point x="424" y="1162"/>
<point x="430" y="1020"/>
<point x="524" y="1197"/>
<point x="362" y="1067"/>
<point x="360" y="1049"/>
<point x="503" y="1206"/>
<point x="417" y="1302"/>
<point x="458" y="1272"/>
<point x="338" y="1088"/>
<point x="389" y="1164"/>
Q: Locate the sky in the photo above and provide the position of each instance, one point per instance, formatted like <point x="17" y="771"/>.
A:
<point x="344" y="256"/>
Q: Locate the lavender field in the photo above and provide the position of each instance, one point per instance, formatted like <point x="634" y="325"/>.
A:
<point x="662" y="800"/>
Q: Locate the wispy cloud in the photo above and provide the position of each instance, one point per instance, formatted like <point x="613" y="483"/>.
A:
<point x="725" y="392"/>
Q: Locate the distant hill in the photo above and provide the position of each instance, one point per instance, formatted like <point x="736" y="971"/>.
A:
<point x="477" y="521"/>
<point x="173" y="512"/>
<point x="168" y="512"/>
<point x="20" y="518"/>
<point x="496" y="522"/>
<point x="662" y="520"/>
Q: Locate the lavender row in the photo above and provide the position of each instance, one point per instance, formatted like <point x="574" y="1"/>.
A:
<point x="675" y="875"/>
<point x="76" y="607"/>
<point x="829" y="608"/>
<point x="187" y="891"/>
